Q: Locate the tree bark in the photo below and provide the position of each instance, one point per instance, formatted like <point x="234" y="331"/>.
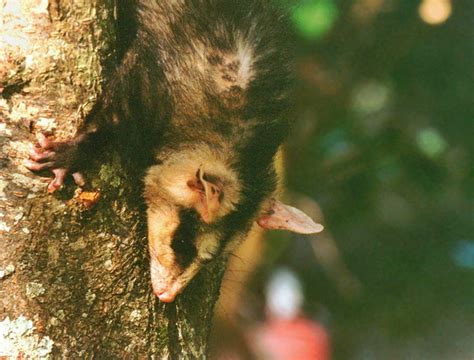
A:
<point x="74" y="276"/>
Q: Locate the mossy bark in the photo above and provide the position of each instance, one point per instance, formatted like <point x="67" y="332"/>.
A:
<point x="77" y="278"/>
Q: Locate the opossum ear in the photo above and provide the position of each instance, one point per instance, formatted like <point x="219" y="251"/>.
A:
<point x="208" y="192"/>
<point x="284" y="217"/>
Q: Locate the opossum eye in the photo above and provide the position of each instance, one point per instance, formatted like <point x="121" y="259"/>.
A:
<point x="206" y="261"/>
<point x="209" y="191"/>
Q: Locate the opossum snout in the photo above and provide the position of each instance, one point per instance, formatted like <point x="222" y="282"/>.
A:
<point x="169" y="281"/>
<point x="164" y="281"/>
<point x="170" y="294"/>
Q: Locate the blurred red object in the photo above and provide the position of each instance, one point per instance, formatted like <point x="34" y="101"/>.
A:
<point x="293" y="339"/>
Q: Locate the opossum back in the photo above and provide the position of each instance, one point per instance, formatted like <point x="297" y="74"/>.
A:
<point x="227" y="64"/>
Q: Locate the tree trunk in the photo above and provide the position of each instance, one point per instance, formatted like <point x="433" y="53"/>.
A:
<point x="74" y="274"/>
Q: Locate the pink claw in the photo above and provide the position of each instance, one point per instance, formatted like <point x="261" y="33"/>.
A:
<point x="79" y="179"/>
<point x="37" y="154"/>
<point x="44" y="142"/>
<point x="58" y="181"/>
<point x="29" y="164"/>
<point x="34" y="166"/>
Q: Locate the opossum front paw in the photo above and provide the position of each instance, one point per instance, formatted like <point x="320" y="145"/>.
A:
<point x="57" y="157"/>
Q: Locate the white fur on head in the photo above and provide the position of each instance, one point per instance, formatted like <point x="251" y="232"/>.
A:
<point x="170" y="180"/>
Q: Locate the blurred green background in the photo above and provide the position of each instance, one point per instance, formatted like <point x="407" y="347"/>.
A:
<point x="384" y="144"/>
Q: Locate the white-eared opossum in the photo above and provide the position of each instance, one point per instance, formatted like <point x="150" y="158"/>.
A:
<point x="206" y="86"/>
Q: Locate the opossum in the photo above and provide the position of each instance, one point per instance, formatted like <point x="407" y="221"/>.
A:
<point x="206" y="88"/>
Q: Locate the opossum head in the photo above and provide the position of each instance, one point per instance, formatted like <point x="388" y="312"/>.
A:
<point x="191" y="195"/>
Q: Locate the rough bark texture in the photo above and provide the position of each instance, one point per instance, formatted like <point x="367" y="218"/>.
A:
<point x="74" y="281"/>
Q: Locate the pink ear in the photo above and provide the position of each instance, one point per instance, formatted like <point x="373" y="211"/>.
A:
<point x="284" y="217"/>
<point x="208" y="196"/>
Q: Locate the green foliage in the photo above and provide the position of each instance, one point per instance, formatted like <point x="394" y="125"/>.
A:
<point x="431" y="142"/>
<point x="314" y="18"/>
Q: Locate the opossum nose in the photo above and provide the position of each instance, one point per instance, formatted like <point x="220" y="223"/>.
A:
<point x="168" y="294"/>
<point x="167" y="297"/>
<point x="164" y="294"/>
